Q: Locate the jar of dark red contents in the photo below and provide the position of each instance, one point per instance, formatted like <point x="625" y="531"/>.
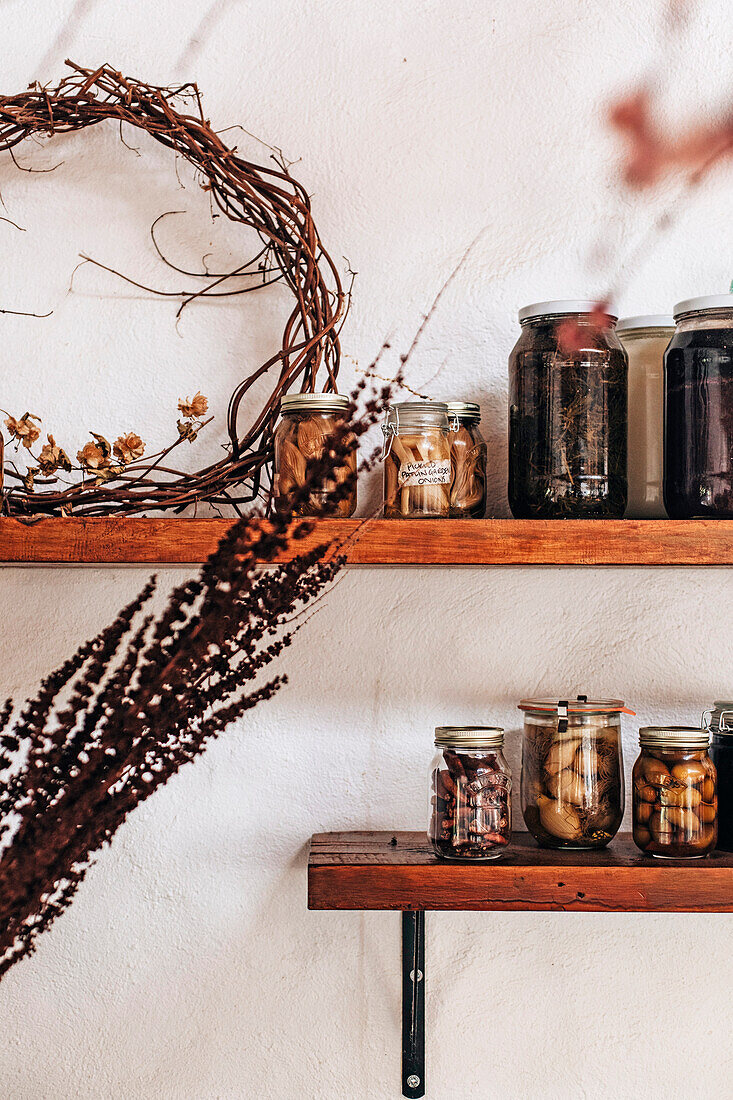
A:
<point x="675" y="801"/>
<point x="470" y="789"/>
<point x="567" y="414"/>
<point x="719" y="723"/>
<point x="698" y="413"/>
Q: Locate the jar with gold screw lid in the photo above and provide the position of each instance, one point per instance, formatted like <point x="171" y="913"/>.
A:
<point x="675" y="795"/>
<point x="311" y="424"/>
<point x="468" y="461"/>
<point x="470" y="793"/>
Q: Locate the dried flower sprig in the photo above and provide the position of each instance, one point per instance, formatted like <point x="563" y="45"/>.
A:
<point x="98" y="458"/>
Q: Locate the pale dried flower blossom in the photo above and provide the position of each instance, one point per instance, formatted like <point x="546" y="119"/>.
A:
<point x="128" y="447"/>
<point x="193" y="407"/>
<point x="52" y="458"/>
<point x="24" y="430"/>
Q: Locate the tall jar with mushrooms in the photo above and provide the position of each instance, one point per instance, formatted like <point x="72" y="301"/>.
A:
<point x="468" y="461"/>
<point x="572" y="771"/>
<point x="675" y="797"/>
<point x="315" y="427"/>
<point x="470" y="789"/>
<point x="417" y="461"/>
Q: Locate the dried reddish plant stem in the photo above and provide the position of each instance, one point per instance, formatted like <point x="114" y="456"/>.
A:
<point x="264" y="198"/>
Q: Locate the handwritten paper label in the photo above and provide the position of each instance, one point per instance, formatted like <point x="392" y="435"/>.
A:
<point x="437" y="472"/>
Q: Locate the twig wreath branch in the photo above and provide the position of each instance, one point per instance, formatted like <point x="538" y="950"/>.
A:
<point x="266" y="199"/>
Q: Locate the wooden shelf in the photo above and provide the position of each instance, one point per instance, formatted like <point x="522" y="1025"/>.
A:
<point x="122" y="541"/>
<point x="382" y="870"/>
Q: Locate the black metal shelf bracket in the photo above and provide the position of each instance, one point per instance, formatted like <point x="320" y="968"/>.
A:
<point x="413" y="1004"/>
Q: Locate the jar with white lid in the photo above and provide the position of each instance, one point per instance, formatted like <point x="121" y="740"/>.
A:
<point x="312" y="426"/>
<point x="417" y="460"/>
<point x="470" y="793"/>
<point x="645" y="340"/>
<point x="468" y="461"/>
<point x="567" y="414"/>
<point x="675" y="797"/>
<point x="698" y="424"/>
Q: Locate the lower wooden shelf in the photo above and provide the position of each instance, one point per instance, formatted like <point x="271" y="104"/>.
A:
<point x="383" y="870"/>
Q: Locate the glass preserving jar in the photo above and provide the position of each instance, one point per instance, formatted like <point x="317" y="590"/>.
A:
<point x="675" y="800"/>
<point x="720" y="726"/>
<point x="572" y="771"/>
<point x="468" y="461"/>
<point x="645" y="340"/>
<point x="567" y="414"/>
<point x="307" y="421"/>
<point x="417" y="460"/>
<point x="698" y="417"/>
<point x="470" y="793"/>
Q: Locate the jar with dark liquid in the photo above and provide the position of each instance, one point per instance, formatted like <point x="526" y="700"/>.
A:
<point x="698" y="413"/>
<point x="568" y="394"/>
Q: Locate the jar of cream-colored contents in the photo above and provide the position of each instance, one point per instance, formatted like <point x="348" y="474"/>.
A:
<point x="417" y="460"/>
<point x="302" y="436"/>
<point x="572" y="771"/>
<point x="470" y="789"/>
<point x="468" y="461"/>
<point x="645" y="340"/>
<point x="675" y="796"/>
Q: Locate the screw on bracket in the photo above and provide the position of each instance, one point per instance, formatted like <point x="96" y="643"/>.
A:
<point x="413" y="1081"/>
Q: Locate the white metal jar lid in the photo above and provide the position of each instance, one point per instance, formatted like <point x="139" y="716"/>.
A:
<point x="469" y="737"/>
<point x="314" y="402"/>
<point x="645" y="320"/>
<point x="547" y="309"/>
<point x="418" y="414"/>
<point x="699" y="305"/>
<point x="674" y="737"/>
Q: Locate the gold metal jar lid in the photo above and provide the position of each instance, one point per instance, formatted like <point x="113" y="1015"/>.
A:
<point x="464" y="410"/>
<point x="580" y="705"/>
<point x="469" y="737"/>
<point x="314" y="402"/>
<point x="673" y="737"/>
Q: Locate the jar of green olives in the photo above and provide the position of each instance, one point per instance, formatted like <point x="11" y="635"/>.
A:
<point x="675" y="793"/>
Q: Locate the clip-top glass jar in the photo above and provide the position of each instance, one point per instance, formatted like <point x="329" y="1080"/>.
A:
<point x="720" y="726"/>
<point x="417" y="462"/>
<point x="567" y="414"/>
<point x="645" y="340"/>
<point x="470" y="789"/>
<point x="468" y="461"/>
<point x="675" y="800"/>
<point x="572" y="771"/>
<point x="698" y="420"/>
<point x="307" y="421"/>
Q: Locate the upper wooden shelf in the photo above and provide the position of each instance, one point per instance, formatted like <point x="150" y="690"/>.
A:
<point x="381" y="870"/>
<point x="383" y="542"/>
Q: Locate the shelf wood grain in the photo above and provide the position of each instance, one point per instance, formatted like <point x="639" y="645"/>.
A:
<point x="382" y="870"/>
<point x="120" y="541"/>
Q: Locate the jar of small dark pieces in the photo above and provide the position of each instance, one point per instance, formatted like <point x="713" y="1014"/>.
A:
<point x="470" y="789"/>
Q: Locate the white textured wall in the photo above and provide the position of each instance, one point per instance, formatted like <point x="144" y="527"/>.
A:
<point x="188" y="967"/>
